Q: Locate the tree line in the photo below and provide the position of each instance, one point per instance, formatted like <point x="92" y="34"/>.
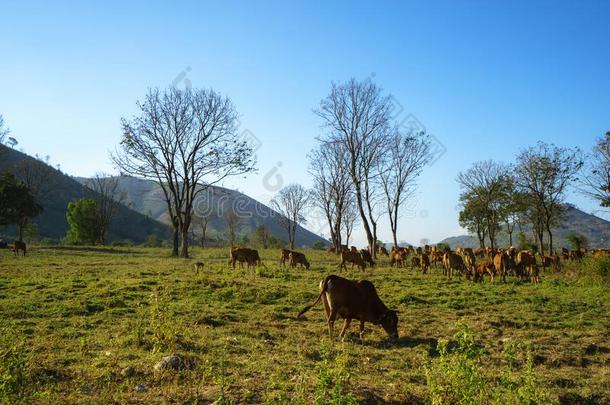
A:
<point x="531" y="191"/>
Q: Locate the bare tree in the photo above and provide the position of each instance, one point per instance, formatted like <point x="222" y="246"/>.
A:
<point x="291" y="202"/>
<point x="331" y="185"/>
<point x="233" y="222"/>
<point x="543" y="173"/>
<point x="487" y="182"/>
<point x="186" y="141"/>
<point x="202" y="219"/>
<point x="407" y="156"/>
<point x="108" y="198"/>
<point x="350" y="217"/>
<point x="37" y="175"/>
<point x="358" y="118"/>
<point x="4" y="131"/>
<point x="596" y="183"/>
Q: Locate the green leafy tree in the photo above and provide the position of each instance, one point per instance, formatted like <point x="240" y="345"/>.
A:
<point x="83" y="221"/>
<point x="473" y="216"/>
<point x="17" y="204"/>
<point x="577" y="241"/>
<point x="318" y="245"/>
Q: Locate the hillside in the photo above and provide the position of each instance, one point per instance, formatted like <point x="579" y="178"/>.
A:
<point x="52" y="223"/>
<point x="596" y="230"/>
<point x="146" y="197"/>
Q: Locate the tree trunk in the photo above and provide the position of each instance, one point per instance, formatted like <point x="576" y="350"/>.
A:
<point x="184" y="248"/>
<point x="176" y="241"/>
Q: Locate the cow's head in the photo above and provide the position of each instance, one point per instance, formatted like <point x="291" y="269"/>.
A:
<point x="389" y="323"/>
<point x="306" y="264"/>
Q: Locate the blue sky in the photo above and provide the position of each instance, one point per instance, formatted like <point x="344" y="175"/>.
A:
<point x="485" y="78"/>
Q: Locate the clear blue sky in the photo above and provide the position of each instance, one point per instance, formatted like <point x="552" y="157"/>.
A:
<point x="486" y="78"/>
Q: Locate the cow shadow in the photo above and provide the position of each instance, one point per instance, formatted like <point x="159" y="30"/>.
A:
<point x="407" y="342"/>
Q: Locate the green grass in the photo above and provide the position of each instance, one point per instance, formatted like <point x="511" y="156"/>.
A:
<point x="72" y="319"/>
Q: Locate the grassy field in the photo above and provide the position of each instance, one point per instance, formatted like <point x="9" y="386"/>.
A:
<point x="82" y="325"/>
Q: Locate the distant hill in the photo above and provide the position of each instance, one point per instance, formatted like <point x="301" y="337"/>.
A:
<point x="596" y="230"/>
<point x="146" y="197"/>
<point x="52" y="223"/>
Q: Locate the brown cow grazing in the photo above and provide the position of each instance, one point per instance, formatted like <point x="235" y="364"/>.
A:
<point x="452" y="261"/>
<point x="526" y="264"/>
<point x="482" y="269"/>
<point x="245" y="255"/>
<point x="17" y="246"/>
<point x="353" y="258"/>
<point x="349" y="300"/>
<point x="367" y="258"/>
<point x="397" y="257"/>
<point x="298" y="258"/>
<point x="198" y="266"/>
<point x="285" y="258"/>
<point x="424" y="263"/>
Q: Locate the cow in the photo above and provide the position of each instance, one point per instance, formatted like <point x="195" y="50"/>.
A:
<point x="482" y="269"/>
<point x="366" y="257"/>
<point x="382" y="251"/>
<point x="556" y="262"/>
<point x="298" y="258"/>
<point x="436" y="257"/>
<point x="577" y="254"/>
<point x="198" y="266"/>
<point x="452" y="261"/>
<point x="414" y="261"/>
<point x="17" y="246"/>
<point x="526" y="264"/>
<point x="245" y="255"/>
<point x="480" y="253"/>
<point x="424" y="263"/>
<point x="546" y="261"/>
<point x="469" y="259"/>
<point x="500" y="261"/>
<point x="285" y="257"/>
<point x="353" y="249"/>
<point x="349" y="300"/>
<point x="353" y="258"/>
<point x="397" y="257"/>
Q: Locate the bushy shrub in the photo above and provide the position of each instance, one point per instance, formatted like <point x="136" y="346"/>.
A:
<point x="458" y="376"/>
<point x="333" y="377"/>
<point x="318" y="245"/>
<point x="596" y="269"/>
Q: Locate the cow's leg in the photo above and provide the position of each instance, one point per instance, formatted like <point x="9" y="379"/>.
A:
<point x="326" y="306"/>
<point x="344" y="328"/>
<point x="331" y="322"/>
<point x="361" y="334"/>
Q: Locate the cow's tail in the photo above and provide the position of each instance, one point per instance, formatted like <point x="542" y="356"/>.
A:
<point x="322" y="292"/>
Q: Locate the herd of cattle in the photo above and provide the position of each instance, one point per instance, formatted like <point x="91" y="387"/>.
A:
<point x="473" y="264"/>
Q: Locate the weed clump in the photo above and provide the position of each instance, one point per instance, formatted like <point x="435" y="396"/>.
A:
<point x="459" y="376"/>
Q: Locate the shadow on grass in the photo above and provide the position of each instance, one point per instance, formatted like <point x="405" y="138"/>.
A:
<point x="430" y="344"/>
<point x="91" y="249"/>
